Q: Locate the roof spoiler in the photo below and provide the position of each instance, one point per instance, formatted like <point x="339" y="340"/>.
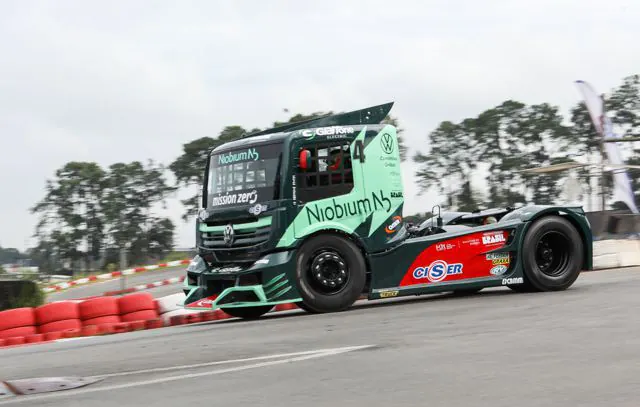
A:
<point x="368" y="115"/>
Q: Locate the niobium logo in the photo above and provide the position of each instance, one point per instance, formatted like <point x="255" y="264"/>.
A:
<point x="386" y="141"/>
<point x="228" y="235"/>
<point x="249" y="154"/>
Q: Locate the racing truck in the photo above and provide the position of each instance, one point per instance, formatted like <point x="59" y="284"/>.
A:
<point x="311" y="213"/>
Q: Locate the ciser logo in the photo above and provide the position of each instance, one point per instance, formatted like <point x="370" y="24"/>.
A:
<point x="437" y="271"/>
<point x="249" y="154"/>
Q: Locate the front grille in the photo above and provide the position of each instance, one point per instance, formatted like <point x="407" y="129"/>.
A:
<point x="243" y="237"/>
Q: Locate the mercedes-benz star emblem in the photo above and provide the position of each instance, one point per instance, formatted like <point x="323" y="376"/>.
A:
<point x="228" y="235"/>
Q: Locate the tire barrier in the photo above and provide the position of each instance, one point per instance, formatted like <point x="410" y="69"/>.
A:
<point x="113" y="275"/>
<point x="101" y="316"/>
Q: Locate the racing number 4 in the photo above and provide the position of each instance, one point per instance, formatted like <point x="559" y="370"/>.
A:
<point x="358" y="154"/>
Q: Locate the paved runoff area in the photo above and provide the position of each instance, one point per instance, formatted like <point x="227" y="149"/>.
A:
<point x="497" y="348"/>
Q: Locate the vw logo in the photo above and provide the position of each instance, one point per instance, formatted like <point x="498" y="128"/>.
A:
<point x="386" y="141"/>
<point x="228" y="235"/>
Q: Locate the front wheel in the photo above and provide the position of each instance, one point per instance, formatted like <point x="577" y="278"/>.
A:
<point x="248" y="312"/>
<point x="330" y="273"/>
<point x="552" y="255"/>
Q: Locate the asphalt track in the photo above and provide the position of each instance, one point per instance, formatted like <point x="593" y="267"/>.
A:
<point x="497" y="348"/>
<point x="116" y="284"/>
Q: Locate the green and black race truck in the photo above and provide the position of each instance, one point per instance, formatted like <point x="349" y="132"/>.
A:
<point x="311" y="213"/>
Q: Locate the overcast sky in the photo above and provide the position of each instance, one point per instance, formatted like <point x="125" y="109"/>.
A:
<point x="134" y="80"/>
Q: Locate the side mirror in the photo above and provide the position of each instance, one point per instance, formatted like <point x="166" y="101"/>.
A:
<point x="305" y="159"/>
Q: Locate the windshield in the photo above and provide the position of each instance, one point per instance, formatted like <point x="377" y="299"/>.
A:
<point x="243" y="176"/>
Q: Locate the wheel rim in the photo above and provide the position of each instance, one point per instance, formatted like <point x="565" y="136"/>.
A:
<point x="328" y="272"/>
<point x="552" y="253"/>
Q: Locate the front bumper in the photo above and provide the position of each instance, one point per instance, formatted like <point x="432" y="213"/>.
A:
<point x="268" y="281"/>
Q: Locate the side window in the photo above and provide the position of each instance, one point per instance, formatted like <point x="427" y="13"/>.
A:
<point x="330" y="172"/>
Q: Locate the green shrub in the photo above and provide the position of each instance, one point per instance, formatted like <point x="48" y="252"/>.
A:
<point x="25" y="293"/>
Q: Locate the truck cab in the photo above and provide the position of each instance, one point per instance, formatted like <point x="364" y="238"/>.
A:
<point x="267" y="194"/>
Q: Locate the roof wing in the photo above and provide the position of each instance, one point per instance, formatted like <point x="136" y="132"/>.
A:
<point x="368" y="115"/>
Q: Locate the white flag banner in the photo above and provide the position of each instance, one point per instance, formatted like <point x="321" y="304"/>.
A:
<point x="622" y="184"/>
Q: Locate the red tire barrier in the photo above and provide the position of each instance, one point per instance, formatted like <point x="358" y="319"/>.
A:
<point x="34" y="338"/>
<point x="72" y="333"/>
<point x="109" y="319"/>
<point x="57" y="311"/>
<point x="53" y="336"/>
<point x="139" y="316"/>
<point x="154" y="323"/>
<point x="136" y="302"/>
<point x="20" y="331"/>
<point x="16" y="318"/>
<point x="63" y="325"/>
<point x="89" y="330"/>
<point x="106" y="329"/>
<point x="16" y="340"/>
<point x="121" y="327"/>
<point x="98" y="307"/>
<point x="137" y="325"/>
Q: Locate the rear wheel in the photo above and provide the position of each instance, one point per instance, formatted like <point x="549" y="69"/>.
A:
<point x="248" y="312"/>
<point x="552" y="255"/>
<point x="330" y="273"/>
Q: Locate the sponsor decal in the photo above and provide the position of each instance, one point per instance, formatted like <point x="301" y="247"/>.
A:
<point x="249" y="155"/>
<point x="386" y="142"/>
<point x="493" y="238"/>
<point x="498" y="258"/>
<point x="227" y="269"/>
<point x="328" y="131"/>
<point x="293" y="186"/>
<point x="514" y="280"/>
<point x="471" y="242"/>
<point x="335" y="211"/>
<point x="437" y="271"/>
<point x="396" y="194"/>
<point x="498" y="270"/>
<point x="388" y="294"/>
<point x="257" y="209"/>
<point x="230" y="199"/>
<point x="397" y="220"/>
<point x="440" y="247"/>
<point x="203" y="303"/>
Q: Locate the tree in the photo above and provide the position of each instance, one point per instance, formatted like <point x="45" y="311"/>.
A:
<point x="506" y="139"/>
<point x="70" y="216"/>
<point x="132" y="190"/>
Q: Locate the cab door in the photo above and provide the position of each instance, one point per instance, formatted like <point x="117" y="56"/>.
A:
<point x="327" y="185"/>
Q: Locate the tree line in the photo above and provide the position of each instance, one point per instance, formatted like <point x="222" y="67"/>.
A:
<point x="513" y="136"/>
<point x="89" y="214"/>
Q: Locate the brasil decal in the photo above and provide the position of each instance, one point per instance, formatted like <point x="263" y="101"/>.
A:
<point x="458" y="259"/>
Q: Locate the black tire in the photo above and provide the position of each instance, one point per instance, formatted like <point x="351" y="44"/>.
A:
<point x="339" y="273"/>
<point x="553" y="255"/>
<point x="248" y="312"/>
